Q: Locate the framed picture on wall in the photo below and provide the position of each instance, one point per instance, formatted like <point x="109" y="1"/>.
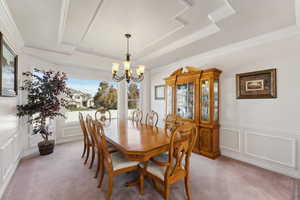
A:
<point x="256" y="85"/>
<point x="8" y="70"/>
<point x="159" y="91"/>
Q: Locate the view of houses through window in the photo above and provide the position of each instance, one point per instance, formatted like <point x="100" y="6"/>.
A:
<point x="89" y="95"/>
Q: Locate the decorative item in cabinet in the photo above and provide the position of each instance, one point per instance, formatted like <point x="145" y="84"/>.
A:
<point x="185" y="100"/>
<point x="205" y="100"/>
<point x="195" y="97"/>
<point x="216" y="100"/>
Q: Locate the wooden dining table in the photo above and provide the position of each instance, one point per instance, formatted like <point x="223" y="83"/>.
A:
<point x="138" y="142"/>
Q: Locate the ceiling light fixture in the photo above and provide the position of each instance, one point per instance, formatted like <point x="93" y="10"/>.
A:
<point x="136" y="75"/>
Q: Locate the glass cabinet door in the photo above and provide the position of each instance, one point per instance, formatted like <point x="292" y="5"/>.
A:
<point x="205" y="100"/>
<point x="185" y="100"/>
<point x="216" y="100"/>
<point x="169" y="106"/>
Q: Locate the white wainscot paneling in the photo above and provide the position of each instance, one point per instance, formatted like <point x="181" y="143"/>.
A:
<point x="277" y="149"/>
<point x="9" y="158"/>
<point x="230" y="139"/>
<point x="72" y="131"/>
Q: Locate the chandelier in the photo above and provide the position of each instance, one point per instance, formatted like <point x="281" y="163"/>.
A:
<point x="129" y="74"/>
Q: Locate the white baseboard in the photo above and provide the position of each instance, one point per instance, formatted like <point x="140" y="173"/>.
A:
<point x="30" y="152"/>
<point x="35" y="151"/>
<point x="11" y="172"/>
<point x="261" y="163"/>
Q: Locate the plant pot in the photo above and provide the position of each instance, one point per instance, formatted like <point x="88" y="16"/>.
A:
<point x="46" y="148"/>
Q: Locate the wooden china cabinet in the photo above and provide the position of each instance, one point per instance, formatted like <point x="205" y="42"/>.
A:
<point x="194" y="95"/>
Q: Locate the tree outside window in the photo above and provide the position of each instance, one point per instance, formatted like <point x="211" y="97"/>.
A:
<point x="133" y="93"/>
<point x="87" y="96"/>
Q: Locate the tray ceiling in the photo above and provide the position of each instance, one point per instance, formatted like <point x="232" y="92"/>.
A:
<point x="163" y="31"/>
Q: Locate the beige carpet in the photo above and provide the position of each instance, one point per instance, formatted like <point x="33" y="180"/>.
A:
<point x="62" y="176"/>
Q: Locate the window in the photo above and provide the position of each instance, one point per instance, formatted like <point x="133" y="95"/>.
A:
<point x="89" y="95"/>
<point x="133" y="94"/>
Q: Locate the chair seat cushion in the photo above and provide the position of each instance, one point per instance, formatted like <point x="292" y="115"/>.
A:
<point x="156" y="170"/>
<point x="120" y="162"/>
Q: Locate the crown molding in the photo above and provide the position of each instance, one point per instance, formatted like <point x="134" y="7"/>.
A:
<point x="178" y="18"/>
<point x="77" y="58"/>
<point x="9" y="28"/>
<point x="205" y="32"/>
<point x="188" y="4"/>
<point x="91" y="52"/>
<point x="219" y="14"/>
<point x="45" y="49"/>
<point x="91" y="21"/>
<point x="69" y="48"/>
<point x="65" y="5"/>
<point x="76" y="46"/>
<point x="222" y="12"/>
<point x="290" y="31"/>
<point x="62" y="25"/>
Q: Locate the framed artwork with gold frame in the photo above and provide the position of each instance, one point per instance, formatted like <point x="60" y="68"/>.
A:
<point x="257" y="85"/>
<point x="8" y="70"/>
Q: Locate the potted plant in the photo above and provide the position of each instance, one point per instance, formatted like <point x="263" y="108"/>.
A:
<point x="47" y="93"/>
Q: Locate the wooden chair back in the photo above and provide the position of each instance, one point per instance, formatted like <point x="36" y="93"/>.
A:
<point x="171" y="122"/>
<point x="89" y="129"/>
<point x="99" y="131"/>
<point x="152" y="118"/>
<point x="182" y="142"/>
<point x="103" y="115"/>
<point x="84" y="129"/>
<point x="137" y="116"/>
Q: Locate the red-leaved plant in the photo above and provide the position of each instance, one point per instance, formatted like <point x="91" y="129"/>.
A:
<point x="47" y="93"/>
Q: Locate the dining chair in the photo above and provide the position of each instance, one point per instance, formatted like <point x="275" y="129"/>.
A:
<point x="137" y="116"/>
<point x="92" y="139"/>
<point x="87" y="143"/>
<point x="177" y="166"/>
<point x="103" y="115"/>
<point x="152" y="118"/>
<point x="114" y="163"/>
<point x="171" y="122"/>
<point x="91" y="125"/>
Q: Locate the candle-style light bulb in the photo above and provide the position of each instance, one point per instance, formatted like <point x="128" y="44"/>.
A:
<point x="141" y="69"/>
<point x="126" y="65"/>
<point x="138" y="72"/>
<point x="115" y="67"/>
